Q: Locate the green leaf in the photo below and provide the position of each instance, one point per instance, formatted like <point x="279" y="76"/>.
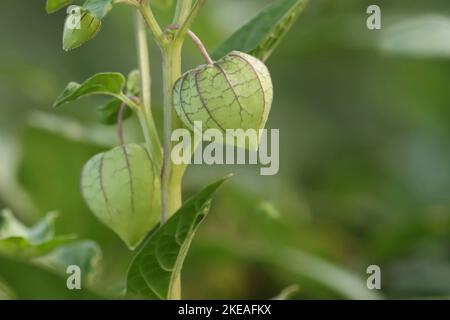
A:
<point x="55" y="5"/>
<point x="134" y="83"/>
<point x="260" y="36"/>
<point x="79" y="27"/>
<point x="21" y="247"/>
<point x="99" y="8"/>
<point x="28" y="281"/>
<point x="10" y="226"/>
<point x="18" y="240"/>
<point x="107" y="114"/>
<point x="157" y="265"/>
<point x="85" y="254"/>
<point x="102" y="83"/>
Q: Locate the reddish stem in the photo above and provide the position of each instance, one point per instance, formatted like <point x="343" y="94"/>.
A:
<point x="123" y="106"/>
<point x="196" y="40"/>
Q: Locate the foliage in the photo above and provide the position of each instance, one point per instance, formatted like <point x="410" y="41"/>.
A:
<point x="17" y="239"/>
<point x="154" y="270"/>
<point x="363" y="180"/>
<point x="122" y="186"/>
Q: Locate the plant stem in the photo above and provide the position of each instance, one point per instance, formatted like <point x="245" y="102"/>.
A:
<point x="171" y="175"/>
<point x="182" y="11"/>
<point x="198" y="43"/>
<point x="120" y="138"/>
<point x="171" y="183"/>
<point x="200" y="47"/>
<point x="186" y="24"/>
<point x="144" y="62"/>
<point x="145" y="113"/>
<point x="151" y="22"/>
<point x="170" y="180"/>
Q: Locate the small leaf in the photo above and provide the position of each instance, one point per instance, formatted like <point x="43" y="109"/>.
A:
<point x="85" y="254"/>
<point x="55" y="5"/>
<point x="154" y="269"/>
<point x="28" y="281"/>
<point x="260" y="36"/>
<point x="10" y="226"/>
<point x="107" y="114"/>
<point x="122" y="189"/>
<point x="99" y="8"/>
<point x="18" y="240"/>
<point x="102" y="83"/>
<point x="134" y="83"/>
<point x="45" y="229"/>
<point x="79" y="27"/>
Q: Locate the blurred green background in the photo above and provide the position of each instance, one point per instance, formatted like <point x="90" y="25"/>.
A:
<point x="364" y="119"/>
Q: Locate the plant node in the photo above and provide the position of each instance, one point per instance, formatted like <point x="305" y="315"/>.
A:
<point x="196" y="40"/>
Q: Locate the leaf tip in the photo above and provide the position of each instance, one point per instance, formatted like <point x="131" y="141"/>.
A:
<point x="228" y="176"/>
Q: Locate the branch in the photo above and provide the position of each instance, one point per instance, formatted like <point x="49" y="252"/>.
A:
<point x="190" y="19"/>
<point x="198" y="43"/>
<point x="144" y="65"/>
<point x="128" y="101"/>
<point x="151" y="22"/>
<point x="146" y="117"/>
<point x="123" y="106"/>
<point x="182" y="11"/>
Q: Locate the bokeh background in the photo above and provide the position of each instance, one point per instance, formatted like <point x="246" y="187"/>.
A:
<point x="364" y="119"/>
